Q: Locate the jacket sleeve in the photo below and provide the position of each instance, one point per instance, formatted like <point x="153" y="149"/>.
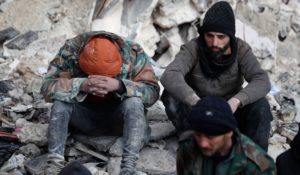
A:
<point x="180" y="161"/>
<point x="258" y="81"/>
<point x="184" y="161"/>
<point x="58" y="83"/>
<point x="143" y="82"/>
<point x="173" y="78"/>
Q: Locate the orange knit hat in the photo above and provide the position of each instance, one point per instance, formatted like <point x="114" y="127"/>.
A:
<point x="100" y="56"/>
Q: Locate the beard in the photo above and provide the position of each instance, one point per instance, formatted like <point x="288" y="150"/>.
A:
<point x="216" y="55"/>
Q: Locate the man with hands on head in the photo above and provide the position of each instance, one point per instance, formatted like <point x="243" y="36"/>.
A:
<point x="217" y="63"/>
<point x="99" y="84"/>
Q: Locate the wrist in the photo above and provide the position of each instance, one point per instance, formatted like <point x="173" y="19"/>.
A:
<point x="121" y="87"/>
<point x="237" y="102"/>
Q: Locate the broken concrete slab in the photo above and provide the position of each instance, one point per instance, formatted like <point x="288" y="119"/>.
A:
<point x="34" y="133"/>
<point x="37" y="165"/>
<point x="34" y="85"/>
<point x="172" y="145"/>
<point x="148" y="42"/>
<point x="110" y="18"/>
<point x="13" y="172"/>
<point x="30" y="151"/>
<point x="137" y="11"/>
<point x="72" y="153"/>
<point x="100" y="143"/>
<point x="92" y="167"/>
<point x="16" y="93"/>
<point x="161" y="130"/>
<point x="157" y="112"/>
<point x="85" y="149"/>
<point x="136" y="21"/>
<point x="201" y="5"/>
<point x="21" y="122"/>
<point x="7" y="34"/>
<point x="156" y="161"/>
<point x="172" y="13"/>
<point x="275" y="150"/>
<point x="22" y="41"/>
<point x="290" y="134"/>
<point x="116" y="149"/>
<point x="277" y="139"/>
<point x="19" y="108"/>
<point x="26" y="99"/>
<point x="16" y="161"/>
<point x="113" y="166"/>
<point x="175" y="41"/>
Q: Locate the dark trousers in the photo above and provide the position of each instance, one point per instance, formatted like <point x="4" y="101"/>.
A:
<point x="254" y="120"/>
<point x="126" y="117"/>
<point x="287" y="164"/>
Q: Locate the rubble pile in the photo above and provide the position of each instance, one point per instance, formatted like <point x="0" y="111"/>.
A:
<point x="31" y="32"/>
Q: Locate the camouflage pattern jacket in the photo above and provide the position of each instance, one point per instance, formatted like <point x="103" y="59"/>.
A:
<point x="245" y="158"/>
<point x="64" y="77"/>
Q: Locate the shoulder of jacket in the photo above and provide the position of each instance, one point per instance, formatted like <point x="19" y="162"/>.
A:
<point x="192" y="44"/>
<point x="187" y="135"/>
<point x="256" y="154"/>
<point x="242" y="45"/>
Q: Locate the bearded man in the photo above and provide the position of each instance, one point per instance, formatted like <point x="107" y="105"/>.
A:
<point x="214" y="145"/>
<point x="217" y="63"/>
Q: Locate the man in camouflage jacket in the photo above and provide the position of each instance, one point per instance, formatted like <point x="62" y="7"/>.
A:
<point x="215" y="146"/>
<point x="120" y="99"/>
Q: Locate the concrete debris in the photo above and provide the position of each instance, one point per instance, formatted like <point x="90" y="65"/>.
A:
<point x="56" y="14"/>
<point x="157" y="112"/>
<point x="7" y="34"/>
<point x="161" y="27"/>
<point x="22" y="41"/>
<point x="30" y="151"/>
<point x="100" y="143"/>
<point x="85" y="149"/>
<point x="113" y="165"/>
<point x="156" y="161"/>
<point x="277" y="139"/>
<point x="92" y="167"/>
<point x="16" y="93"/>
<point x="34" y="133"/>
<point x="161" y="130"/>
<point x="19" y="108"/>
<point x="16" y="161"/>
<point x="116" y="149"/>
<point x="288" y="133"/>
<point x="37" y="165"/>
<point x="172" y="13"/>
<point x="6" y="85"/>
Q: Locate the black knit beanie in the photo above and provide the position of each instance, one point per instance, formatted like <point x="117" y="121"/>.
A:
<point x="219" y="18"/>
<point x="212" y="116"/>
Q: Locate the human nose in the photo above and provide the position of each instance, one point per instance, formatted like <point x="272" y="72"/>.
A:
<point x="204" y="142"/>
<point x="215" y="41"/>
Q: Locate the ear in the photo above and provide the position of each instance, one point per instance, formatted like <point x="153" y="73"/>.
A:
<point x="229" y="134"/>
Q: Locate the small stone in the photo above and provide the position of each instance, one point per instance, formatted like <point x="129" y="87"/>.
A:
<point x="30" y="150"/>
<point x="34" y="133"/>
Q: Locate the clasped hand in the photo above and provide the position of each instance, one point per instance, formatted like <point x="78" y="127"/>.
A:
<point x="100" y="85"/>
